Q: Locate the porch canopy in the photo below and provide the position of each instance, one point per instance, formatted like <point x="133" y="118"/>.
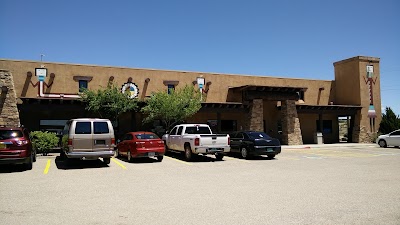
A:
<point x="273" y="93"/>
<point x="340" y="110"/>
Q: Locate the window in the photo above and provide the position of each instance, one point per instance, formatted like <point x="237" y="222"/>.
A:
<point x="259" y="135"/>
<point x="197" y="130"/>
<point x="395" y="133"/>
<point x="147" y="136"/>
<point x="9" y="134"/>
<point x="173" y="131"/>
<point x="300" y="95"/>
<point x="83" y="84"/>
<point x="101" y="128"/>
<point x="171" y="88"/>
<point x="228" y="125"/>
<point x="180" y="130"/>
<point x="83" y="128"/>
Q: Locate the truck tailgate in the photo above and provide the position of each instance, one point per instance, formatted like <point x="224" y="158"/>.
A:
<point x="213" y="140"/>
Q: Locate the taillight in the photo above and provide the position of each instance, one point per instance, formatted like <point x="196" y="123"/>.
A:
<point x="69" y="142"/>
<point x="21" y="142"/>
<point x="229" y="140"/>
<point x="113" y="141"/>
<point x="197" y="141"/>
<point x="139" y="144"/>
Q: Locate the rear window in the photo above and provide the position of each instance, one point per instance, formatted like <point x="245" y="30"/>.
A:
<point x="9" y="134"/>
<point x="258" y="135"/>
<point x="197" y="130"/>
<point x="101" y="128"/>
<point x="83" y="128"/>
<point x="146" y="136"/>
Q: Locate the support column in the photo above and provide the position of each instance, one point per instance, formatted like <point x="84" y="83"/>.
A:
<point x="9" y="115"/>
<point x="360" y="132"/>
<point x="256" y="115"/>
<point x="291" y="131"/>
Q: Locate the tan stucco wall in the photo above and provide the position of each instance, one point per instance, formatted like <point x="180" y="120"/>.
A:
<point x="218" y="90"/>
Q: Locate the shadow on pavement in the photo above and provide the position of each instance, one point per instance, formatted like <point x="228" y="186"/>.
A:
<point x="196" y="158"/>
<point x="67" y="164"/>
<point x="13" y="168"/>
<point x="257" y="157"/>
<point x="139" y="160"/>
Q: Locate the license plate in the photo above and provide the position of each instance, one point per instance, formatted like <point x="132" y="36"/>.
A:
<point x="151" y="154"/>
<point x="100" y="142"/>
<point x="3" y="146"/>
<point x="270" y="149"/>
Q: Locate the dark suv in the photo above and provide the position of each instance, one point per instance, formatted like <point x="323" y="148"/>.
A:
<point x="16" y="147"/>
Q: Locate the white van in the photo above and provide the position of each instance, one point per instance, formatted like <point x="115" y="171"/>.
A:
<point x="89" y="139"/>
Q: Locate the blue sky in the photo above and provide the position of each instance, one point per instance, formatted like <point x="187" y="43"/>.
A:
<point x="283" y="38"/>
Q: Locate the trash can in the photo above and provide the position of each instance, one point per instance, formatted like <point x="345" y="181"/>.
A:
<point x="318" y="138"/>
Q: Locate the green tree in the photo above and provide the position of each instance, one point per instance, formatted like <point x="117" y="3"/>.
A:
<point x="390" y="121"/>
<point x="109" y="102"/>
<point x="173" y="107"/>
<point x="43" y="142"/>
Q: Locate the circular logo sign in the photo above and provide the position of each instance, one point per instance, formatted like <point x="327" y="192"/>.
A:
<point x="131" y="89"/>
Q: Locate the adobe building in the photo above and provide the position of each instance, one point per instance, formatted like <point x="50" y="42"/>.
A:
<point x="43" y="95"/>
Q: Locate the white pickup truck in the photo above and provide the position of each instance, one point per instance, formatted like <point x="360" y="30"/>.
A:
<point x="193" y="139"/>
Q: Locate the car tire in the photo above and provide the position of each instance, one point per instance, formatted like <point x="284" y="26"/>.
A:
<point x="34" y="156"/>
<point x="166" y="149"/>
<point x="219" y="157"/>
<point x="116" y="153"/>
<point x="244" y="153"/>
<point x="160" y="158"/>
<point x="129" y="156"/>
<point x="29" y="165"/>
<point x="271" y="156"/>
<point x="382" y="143"/>
<point x="106" y="160"/>
<point x="188" y="153"/>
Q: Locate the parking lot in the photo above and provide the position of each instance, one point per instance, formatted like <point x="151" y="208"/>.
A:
<point x="328" y="185"/>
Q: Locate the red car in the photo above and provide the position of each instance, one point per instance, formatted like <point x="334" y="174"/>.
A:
<point x="16" y="147"/>
<point x="140" y="144"/>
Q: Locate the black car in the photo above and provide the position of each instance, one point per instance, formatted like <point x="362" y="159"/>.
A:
<point x="251" y="143"/>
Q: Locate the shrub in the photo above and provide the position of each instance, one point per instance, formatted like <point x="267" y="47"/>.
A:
<point x="43" y="142"/>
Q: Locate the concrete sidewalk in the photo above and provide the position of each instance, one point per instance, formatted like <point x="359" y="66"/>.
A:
<point x="336" y="145"/>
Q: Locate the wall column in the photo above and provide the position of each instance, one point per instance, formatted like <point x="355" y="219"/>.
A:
<point x="256" y="115"/>
<point x="360" y="133"/>
<point x="291" y="131"/>
<point x="9" y="115"/>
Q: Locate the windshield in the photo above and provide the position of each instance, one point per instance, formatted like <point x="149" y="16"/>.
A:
<point x="9" y="134"/>
<point x="259" y="135"/>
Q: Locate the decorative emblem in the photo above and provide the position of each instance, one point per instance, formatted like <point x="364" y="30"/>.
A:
<point x="131" y="89"/>
<point x="370" y="82"/>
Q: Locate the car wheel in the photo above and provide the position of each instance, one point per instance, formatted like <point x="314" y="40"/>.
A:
<point x="34" y="156"/>
<point x="382" y="143"/>
<point x="188" y="153"/>
<point x="160" y="158"/>
<point x="166" y="149"/>
<point x="244" y="153"/>
<point x="29" y="165"/>
<point x="116" y="153"/>
<point x="129" y="156"/>
<point x="219" y="157"/>
<point x="106" y="160"/>
<point x="271" y="156"/>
